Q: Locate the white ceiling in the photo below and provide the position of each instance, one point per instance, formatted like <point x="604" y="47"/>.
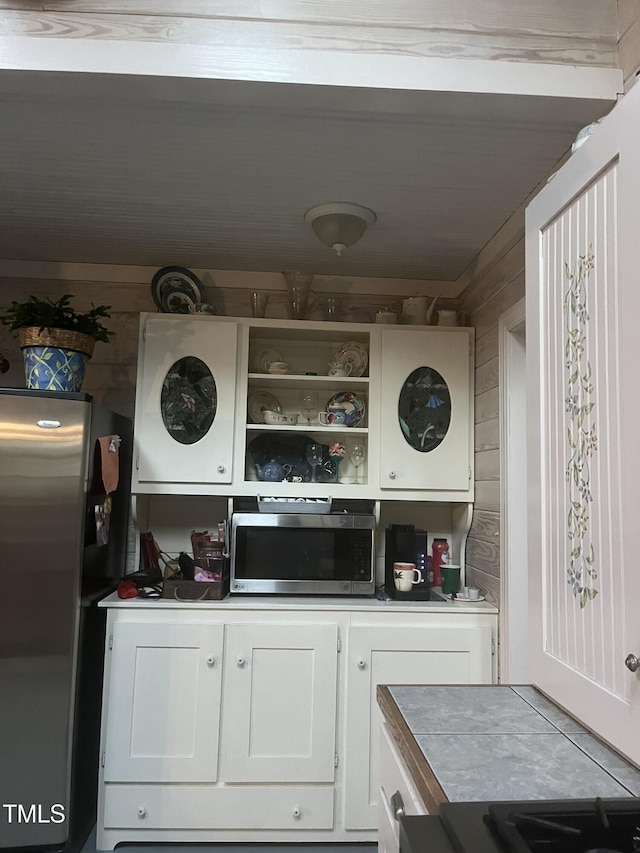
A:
<point x="218" y="175"/>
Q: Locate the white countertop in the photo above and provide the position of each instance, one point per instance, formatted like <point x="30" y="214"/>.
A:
<point x="310" y="602"/>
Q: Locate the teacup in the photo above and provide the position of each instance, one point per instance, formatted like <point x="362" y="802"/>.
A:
<point x="331" y="418"/>
<point x="405" y="575"/>
<point x="278" y="367"/>
<point x="337" y="368"/>
<point x="201" y="308"/>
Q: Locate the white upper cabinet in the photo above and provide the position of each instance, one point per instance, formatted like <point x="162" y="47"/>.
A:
<point x="425" y="440"/>
<point x="185" y="401"/>
<point x="240" y="402"/>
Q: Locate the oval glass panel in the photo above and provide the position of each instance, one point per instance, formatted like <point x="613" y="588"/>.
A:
<point x="189" y="400"/>
<point x="424" y="409"/>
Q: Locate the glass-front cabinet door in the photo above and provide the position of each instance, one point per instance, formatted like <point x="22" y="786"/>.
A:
<point x="185" y="401"/>
<point x="425" y="410"/>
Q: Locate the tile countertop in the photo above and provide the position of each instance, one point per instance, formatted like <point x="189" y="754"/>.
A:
<point x="498" y="743"/>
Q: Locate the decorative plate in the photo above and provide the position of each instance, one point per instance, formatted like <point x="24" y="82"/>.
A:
<point x="264" y="359"/>
<point x="174" y="289"/>
<point x="354" y="354"/>
<point x="260" y="402"/>
<point x="350" y="405"/>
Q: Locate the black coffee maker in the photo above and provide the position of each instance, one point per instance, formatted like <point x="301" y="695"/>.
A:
<point x="404" y="543"/>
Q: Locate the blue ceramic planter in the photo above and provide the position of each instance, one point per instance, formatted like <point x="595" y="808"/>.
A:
<point x="54" y="369"/>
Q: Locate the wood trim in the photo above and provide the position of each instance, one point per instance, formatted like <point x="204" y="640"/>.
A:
<point x="421" y="773"/>
<point x="247" y="34"/>
<point x="578" y="19"/>
<point x="330" y="67"/>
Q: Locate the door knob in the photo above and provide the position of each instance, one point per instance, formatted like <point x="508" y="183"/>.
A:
<point x="211" y="661"/>
<point x="241" y="661"/>
<point x="392" y="475"/>
<point x="362" y="664"/>
<point x="397" y="806"/>
<point x="632" y="662"/>
<point x="221" y="469"/>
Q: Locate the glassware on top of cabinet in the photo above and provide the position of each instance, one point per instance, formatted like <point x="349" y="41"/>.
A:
<point x="298" y="289"/>
<point x="259" y="300"/>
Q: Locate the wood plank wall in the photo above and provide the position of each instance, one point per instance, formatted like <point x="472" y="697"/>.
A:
<point x="574" y="32"/>
<point x="496" y="282"/>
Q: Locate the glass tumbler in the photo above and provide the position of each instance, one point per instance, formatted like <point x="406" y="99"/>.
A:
<point x="258" y="300"/>
<point x="298" y="289"/>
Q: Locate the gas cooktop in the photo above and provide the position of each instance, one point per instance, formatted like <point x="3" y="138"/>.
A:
<point x="531" y="826"/>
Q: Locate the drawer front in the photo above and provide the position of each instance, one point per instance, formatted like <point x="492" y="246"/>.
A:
<point x="395" y="780"/>
<point x="212" y="807"/>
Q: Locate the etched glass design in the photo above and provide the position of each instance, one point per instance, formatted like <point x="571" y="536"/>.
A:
<point x="424" y="409"/>
<point x="189" y="400"/>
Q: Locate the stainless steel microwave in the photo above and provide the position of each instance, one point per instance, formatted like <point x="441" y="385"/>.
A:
<point x="303" y="554"/>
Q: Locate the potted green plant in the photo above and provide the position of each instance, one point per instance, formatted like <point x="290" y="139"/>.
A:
<point x="56" y="340"/>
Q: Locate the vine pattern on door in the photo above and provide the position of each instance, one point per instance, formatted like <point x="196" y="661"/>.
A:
<point x="582" y="438"/>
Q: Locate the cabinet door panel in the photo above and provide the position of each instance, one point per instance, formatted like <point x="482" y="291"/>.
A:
<point x="164" y="704"/>
<point x="280" y="706"/>
<point x="402" y="655"/>
<point x="180" y="436"/>
<point x="583" y="410"/>
<point x="426" y="382"/>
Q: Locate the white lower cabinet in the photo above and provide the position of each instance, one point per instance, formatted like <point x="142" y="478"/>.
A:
<point x="397" y="795"/>
<point x="280" y="686"/>
<point x="407" y="652"/>
<point x="163" y="702"/>
<point x="224" y="723"/>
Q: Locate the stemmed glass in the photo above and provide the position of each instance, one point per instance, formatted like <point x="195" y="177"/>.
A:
<point x="309" y="406"/>
<point x="314" y="458"/>
<point x="357" y="454"/>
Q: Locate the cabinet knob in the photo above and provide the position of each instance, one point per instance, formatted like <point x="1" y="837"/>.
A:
<point x="632" y="663"/>
<point x="221" y="469"/>
<point x="362" y="664"/>
<point x="397" y="805"/>
<point x="241" y="661"/>
<point x="392" y="475"/>
<point x="142" y="811"/>
<point x="296" y="812"/>
<point x="211" y="661"/>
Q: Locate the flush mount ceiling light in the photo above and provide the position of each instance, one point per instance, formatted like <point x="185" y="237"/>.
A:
<point x="339" y="224"/>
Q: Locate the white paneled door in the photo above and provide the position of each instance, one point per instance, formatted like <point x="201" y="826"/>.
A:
<point x="583" y="306"/>
<point x="279" y="723"/>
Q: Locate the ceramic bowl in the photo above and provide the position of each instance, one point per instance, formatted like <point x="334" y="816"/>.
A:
<point x="278" y="419"/>
<point x="279" y="367"/>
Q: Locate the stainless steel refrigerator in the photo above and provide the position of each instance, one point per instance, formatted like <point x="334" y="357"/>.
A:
<point x="53" y="571"/>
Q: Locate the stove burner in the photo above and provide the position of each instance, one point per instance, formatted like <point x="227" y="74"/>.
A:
<point x="567" y="826"/>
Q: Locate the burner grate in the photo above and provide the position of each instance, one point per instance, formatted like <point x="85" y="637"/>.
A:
<point x="567" y="826"/>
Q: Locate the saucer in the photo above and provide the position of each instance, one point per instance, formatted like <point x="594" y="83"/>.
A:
<point x="466" y="598"/>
